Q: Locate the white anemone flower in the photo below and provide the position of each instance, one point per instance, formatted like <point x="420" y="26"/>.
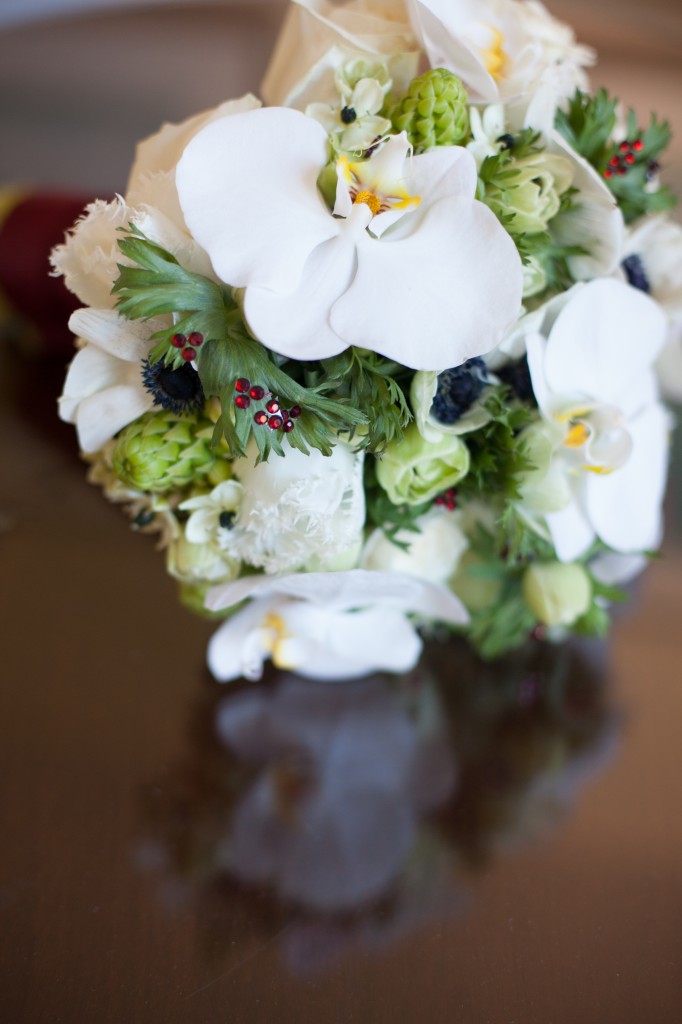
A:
<point x="316" y="283"/>
<point x="501" y="49"/>
<point x="213" y="514"/>
<point x="652" y="261"/>
<point x="103" y="390"/>
<point x="592" y="372"/>
<point x="355" y="123"/>
<point x="330" y="625"/>
<point x="299" y="512"/>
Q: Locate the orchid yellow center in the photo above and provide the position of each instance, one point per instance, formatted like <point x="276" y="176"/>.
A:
<point x="494" y="57"/>
<point x="576" y="436"/>
<point x="276" y="642"/>
<point x="369" y="199"/>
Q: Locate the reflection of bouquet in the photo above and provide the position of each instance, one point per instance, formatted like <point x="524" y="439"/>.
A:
<point x="382" y="353"/>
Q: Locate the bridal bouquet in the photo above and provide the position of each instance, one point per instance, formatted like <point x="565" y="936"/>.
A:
<point x="381" y="354"/>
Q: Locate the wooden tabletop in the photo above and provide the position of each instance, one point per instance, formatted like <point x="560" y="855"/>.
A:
<point x="512" y="852"/>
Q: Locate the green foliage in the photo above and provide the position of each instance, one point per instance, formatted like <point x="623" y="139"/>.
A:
<point x="588" y="125"/>
<point x="157" y="285"/>
<point x="498" y="456"/>
<point x="368" y="382"/>
<point x="382" y="512"/>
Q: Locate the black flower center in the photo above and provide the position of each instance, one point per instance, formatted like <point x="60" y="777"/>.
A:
<point x="635" y="273"/>
<point x="348" y="115"/>
<point x="179" y="391"/>
<point x="226" y="520"/>
<point x="517" y="377"/>
<point x="458" y="389"/>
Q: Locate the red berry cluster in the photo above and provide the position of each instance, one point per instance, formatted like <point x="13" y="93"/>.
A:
<point x="189" y="345"/>
<point x="273" y="415"/>
<point x="624" y="158"/>
<point x="448" y="499"/>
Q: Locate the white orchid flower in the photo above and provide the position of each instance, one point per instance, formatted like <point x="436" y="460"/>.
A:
<point x="319" y="36"/>
<point x="103" y="390"/>
<point x="316" y="283"/>
<point x="501" y="49"/>
<point x="591" y="363"/>
<point x="333" y="625"/>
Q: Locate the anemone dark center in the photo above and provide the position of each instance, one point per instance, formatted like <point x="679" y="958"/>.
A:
<point x="178" y="390"/>
<point x="517" y="377"/>
<point x="635" y="272"/>
<point x="348" y="115"/>
<point x="458" y="389"/>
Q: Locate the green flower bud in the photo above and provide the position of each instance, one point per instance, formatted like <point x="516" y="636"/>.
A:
<point x="532" y="192"/>
<point x="193" y="595"/>
<point x="434" y="111"/>
<point x="414" y="470"/>
<point x="557" y="592"/>
<point x="476" y="590"/>
<point x="161" y="452"/>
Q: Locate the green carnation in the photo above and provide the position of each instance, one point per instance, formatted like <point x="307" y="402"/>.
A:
<point x="433" y="112"/>
<point x="161" y="452"/>
<point x="413" y="471"/>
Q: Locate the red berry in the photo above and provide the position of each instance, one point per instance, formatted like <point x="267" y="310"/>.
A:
<point x="179" y="340"/>
<point x="608" y="173"/>
<point x="242" y="401"/>
<point x="630" y="158"/>
<point x="621" y="170"/>
<point x="614" y="161"/>
<point x="295" y="412"/>
<point x="638" y="145"/>
<point x="257" y="392"/>
<point x="275" y="422"/>
<point x="288" y="426"/>
<point x="272" y="405"/>
<point x="243" y="384"/>
<point x="196" y="339"/>
<point x="188" y="353"/>
<point x="261" y="418"/>
<point x="284" y="413"/>
<point x="625" y="147"/>
<point x="440" y="500"/>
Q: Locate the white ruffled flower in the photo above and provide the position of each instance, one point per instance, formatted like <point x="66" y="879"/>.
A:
<point x="320" y="36"/>
<point x="316" y="283"/>
<point x="591" y="354"/>
<point x="329" y="625"/>
<point x="501" y="49"/>
<point x="298" y="512"/>
<point x="433" y="553"/>
<point x="103" y="390"/>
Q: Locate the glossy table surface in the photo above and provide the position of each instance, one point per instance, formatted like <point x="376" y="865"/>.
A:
<point x="469" y="844"/>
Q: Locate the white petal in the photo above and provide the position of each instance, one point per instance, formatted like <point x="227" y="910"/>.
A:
<point x="356" y="588"/>
<point x="235" y="649"/>
<point x="625" y="506"/>
<point x="297" y="324"/>
<point x="248" y="190"/>
<point x="128" y="340"/>
<point x="102" y="415"/>
<point x="467" y="276"/>
<point x="91" y="370"/>
<point x="571" y="532"/>
<point x="603" y="340"/>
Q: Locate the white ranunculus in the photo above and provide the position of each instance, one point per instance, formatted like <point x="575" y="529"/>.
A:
<point x="433" y="554"/>
<point x="298" y="512"/>
<point x="329" y="625"/>
<point x="103" y="390"/>
<point x="501" y="49"/>
<point x="319" y="36"/>
<point x="591" y="357"/>
<point x="88" y="258"/>
<point x="316" y="283"/>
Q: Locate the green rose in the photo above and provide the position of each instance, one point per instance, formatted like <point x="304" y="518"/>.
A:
<point x="533" y="192"/>
<point x="557" y="592"/>
<point x="414" y="470"/>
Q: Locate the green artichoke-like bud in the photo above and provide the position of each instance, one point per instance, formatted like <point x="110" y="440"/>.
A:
<point x="161" y="451"/>
<point x="433" y="112"/>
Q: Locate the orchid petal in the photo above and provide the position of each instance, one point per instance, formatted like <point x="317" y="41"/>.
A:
<point x="230" y="166"/>
<point x="626" y="506"/>
<point x="297" y="324"/>
<point x="572" y="533"/>
<point x="450" y="311"/>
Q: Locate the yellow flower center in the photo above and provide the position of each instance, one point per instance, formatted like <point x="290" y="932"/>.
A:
<point x="276" y="642"/>
<point x="369" y="199"/>
<point x="576" y="436"/>
<point x="494" y="57"/>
